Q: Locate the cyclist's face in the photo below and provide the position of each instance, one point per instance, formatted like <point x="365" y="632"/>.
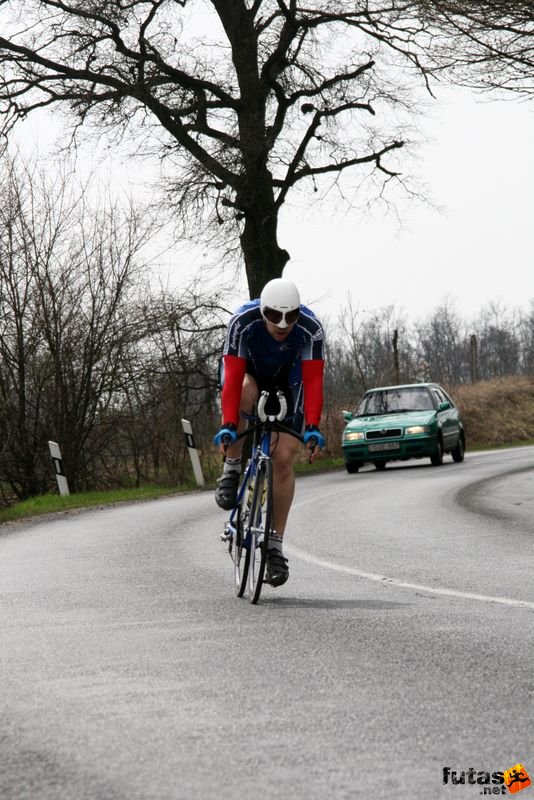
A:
<point x="279" y="333"/>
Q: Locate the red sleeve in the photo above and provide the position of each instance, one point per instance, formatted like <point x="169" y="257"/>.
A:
<point x="234" y="372"/>
<point x="312" y="379"/>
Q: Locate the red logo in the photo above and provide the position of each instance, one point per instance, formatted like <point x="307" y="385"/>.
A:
<point x="516" y="778"/>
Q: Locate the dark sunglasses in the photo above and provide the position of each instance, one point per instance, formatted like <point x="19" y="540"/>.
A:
<point x="276" y="317"/>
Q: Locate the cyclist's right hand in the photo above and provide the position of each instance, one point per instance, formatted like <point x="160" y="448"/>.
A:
<point x="226" y="435"/>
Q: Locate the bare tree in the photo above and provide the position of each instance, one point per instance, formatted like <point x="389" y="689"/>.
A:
<point x="66" y="274"/>
<point x="171" y="374"/>
<point x="23" y="367"/>
<point x="499" y="341"/>
<point x="88" y="321"/>
<point x="270" y="95"/>
<point x="275" y="94"/>
<point x="526" y="339"/>
<point x="443" y="344"/>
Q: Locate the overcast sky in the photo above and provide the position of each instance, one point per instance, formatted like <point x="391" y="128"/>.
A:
<point x="480" y="248"/>
<point x="479" y="166"/>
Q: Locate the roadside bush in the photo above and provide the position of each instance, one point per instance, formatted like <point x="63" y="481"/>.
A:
<point x="498" y="411"/>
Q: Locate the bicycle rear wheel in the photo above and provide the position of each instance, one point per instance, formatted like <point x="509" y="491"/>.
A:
<point x="259" y="528"/>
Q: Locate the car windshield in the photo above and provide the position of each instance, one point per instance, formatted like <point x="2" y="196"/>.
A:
<point x="389" y="401"/>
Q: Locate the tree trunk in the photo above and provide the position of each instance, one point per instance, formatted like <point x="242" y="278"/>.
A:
<point x="264" y="259"/>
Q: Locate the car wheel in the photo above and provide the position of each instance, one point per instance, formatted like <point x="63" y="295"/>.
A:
<point x="352" y="468"/>
<point x="380" y="465"/>
<point x="459" y="451"/>
<point x="437" y="458"/>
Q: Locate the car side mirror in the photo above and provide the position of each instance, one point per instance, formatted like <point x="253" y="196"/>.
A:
<point x="347" y="415"/>
<point x="444" y="406"/>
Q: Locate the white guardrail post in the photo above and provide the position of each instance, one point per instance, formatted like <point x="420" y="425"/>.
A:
<point x="193" y="452"/>
<point x="55" y="452"/>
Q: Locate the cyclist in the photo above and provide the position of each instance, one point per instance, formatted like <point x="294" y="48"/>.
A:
<point x="272" y="343"/>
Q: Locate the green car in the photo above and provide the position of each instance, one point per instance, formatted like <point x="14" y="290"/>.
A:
<point x="396" y="423"/>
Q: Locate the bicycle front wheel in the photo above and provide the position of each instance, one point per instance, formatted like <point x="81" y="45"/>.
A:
<point x="241" y="548"/>
<point x="259" y="527"/>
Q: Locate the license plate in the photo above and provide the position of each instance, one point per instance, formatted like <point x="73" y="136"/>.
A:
<point x="381" y="446"/>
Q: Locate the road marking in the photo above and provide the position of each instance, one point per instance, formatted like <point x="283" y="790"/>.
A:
<point x="372" y="576"/>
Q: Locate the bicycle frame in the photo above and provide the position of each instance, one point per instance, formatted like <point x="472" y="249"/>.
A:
<point x="240" y="532"/>
<point x="261" y="447"/>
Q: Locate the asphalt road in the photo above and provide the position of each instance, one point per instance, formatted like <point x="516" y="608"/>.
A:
<point x="401" y="645"/>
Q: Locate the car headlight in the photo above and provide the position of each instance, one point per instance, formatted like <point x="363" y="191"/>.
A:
<point x="354" y="436"/>
<point x="415" y="429"/>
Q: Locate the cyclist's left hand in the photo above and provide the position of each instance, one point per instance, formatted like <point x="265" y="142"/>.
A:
<point x="313" y="439"/>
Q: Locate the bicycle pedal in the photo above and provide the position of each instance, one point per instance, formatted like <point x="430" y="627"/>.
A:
<point x="225" y="537"/>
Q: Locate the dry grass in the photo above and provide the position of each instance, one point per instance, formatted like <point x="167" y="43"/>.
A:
<point x="496" y="412"/>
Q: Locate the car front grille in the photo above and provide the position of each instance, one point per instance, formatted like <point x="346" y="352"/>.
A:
<point x="385" y="433"/>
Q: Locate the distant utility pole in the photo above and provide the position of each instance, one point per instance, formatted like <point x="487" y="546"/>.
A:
<point x="396" y="366"/>
<point x="474" y="358"/>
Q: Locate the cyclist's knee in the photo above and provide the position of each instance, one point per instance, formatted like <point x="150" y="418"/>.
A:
<point x="284" y="452"/>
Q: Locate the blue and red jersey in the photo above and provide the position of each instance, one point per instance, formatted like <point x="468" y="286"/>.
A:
<point x="250" y="348"/>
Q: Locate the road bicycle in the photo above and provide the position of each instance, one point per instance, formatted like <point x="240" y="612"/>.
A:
<point x="250" y="524"/>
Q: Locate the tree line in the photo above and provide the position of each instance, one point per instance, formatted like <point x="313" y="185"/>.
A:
<point x="381" y="347"/>
<point x="96" y="359"/>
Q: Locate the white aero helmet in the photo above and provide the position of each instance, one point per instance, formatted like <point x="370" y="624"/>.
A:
<point x="280" y="302"/>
